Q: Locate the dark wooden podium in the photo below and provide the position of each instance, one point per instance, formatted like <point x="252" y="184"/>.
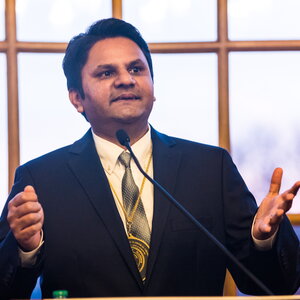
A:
<point x="296" y="297"/>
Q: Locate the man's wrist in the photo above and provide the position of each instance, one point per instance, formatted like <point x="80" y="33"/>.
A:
<point x="263" y="245"/>
<point x="28" y="258"/>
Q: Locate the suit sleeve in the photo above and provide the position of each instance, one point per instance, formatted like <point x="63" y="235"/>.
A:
<point x="278" y="268"/>
<point x="15" y="281"/>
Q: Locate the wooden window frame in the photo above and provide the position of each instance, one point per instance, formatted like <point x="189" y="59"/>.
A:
<point x="222" y="47"/>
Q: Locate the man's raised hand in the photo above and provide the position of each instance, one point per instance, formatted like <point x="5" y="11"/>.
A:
<point x="273" y="207"/>
<point x="26" y="218"/>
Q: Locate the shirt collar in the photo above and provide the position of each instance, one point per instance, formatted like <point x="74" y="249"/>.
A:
<point x="109" y="152"/>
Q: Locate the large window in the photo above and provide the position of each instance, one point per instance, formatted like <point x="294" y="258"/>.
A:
<point x="226" y="72"/>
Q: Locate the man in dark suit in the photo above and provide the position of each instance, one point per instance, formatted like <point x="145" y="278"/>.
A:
<point x="68" y="220"/>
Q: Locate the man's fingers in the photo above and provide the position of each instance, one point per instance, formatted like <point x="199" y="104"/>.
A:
<point x="276" y="181"/>
<point x="29" y="189"/>
<point x="26" y="217"/>
<point x="27" y="220"/>
<point x="27" y="195"/>
<point x="286" y="198"/>
<point x="294" y="189"/>
<point x="29" y="238"/>
<point x="274" y="206"/>
<point x="24" y="209"/>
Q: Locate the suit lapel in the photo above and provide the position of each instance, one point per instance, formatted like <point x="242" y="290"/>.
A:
<point x="85" y="164"/>
<point x="165" y="162"/>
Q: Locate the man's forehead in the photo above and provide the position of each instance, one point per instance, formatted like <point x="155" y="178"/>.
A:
<point x="116" y="44"/>
<point x="116" y="49"/>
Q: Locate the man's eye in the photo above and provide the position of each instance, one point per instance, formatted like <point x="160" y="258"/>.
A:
<point x="105" y="74"/>
<point x="135" y="70"/>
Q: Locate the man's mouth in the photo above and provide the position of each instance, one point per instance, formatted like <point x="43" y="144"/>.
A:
<point x="126" y="97"/>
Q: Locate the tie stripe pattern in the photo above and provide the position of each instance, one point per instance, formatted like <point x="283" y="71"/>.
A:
<point x="137" y="224"/>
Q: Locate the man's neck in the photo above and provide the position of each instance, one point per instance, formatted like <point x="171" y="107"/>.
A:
<point x="134" y="134"/>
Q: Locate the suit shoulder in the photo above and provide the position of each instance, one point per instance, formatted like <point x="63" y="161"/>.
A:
<point x="47" y="158"/>
<point x="188" y="145"/>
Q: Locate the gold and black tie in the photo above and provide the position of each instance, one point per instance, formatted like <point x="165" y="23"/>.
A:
<point x="137" y="225"/>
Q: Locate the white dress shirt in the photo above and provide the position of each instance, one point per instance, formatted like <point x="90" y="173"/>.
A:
<point x="114" y="170"/>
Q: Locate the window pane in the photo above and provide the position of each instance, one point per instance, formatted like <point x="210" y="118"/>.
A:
<point x="57" y="20"/>
<point x="264" y="114"/>
<point x="47" y="118"/>
<point x="2" y="23"/>
<point x="173" y="20"/>
<point x="263" y="20"/>
<point x="186" y="93"/>
<point x="3" y="133"/>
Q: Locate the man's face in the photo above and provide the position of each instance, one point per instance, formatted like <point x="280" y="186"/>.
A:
<point x="117" y="85"/>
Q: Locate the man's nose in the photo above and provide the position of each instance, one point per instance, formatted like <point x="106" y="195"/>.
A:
<point x="124" y="78"/>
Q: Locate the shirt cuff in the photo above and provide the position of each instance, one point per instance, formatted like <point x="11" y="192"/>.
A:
<point x="263" y="245"/>
<point x="28" y="259"/>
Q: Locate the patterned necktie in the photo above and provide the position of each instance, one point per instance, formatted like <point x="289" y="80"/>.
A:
<point x="137" y="224"/>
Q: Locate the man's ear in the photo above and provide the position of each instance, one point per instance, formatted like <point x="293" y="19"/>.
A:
<point x="76" y="100"/>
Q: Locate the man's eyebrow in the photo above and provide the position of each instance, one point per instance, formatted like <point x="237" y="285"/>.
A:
<point x="112" y="66"/>
<point x="100" y="68"/>
<point x="136" y="61"/>
<point x="105" y="66"/>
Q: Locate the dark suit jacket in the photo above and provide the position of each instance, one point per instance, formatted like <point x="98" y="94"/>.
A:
<point x="86" y="250"/>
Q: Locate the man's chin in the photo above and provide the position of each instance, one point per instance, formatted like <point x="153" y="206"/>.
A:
<point x="128" y="119"/>
<point x="132" y="118"/>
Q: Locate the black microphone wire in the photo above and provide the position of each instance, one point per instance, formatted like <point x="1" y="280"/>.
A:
<point x="124" y="140"/>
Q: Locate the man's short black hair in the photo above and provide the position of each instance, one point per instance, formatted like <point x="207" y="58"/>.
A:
<point x="80" y="45"/>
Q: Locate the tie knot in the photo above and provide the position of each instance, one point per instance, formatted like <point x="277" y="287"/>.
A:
<point x="124" y="159"/>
